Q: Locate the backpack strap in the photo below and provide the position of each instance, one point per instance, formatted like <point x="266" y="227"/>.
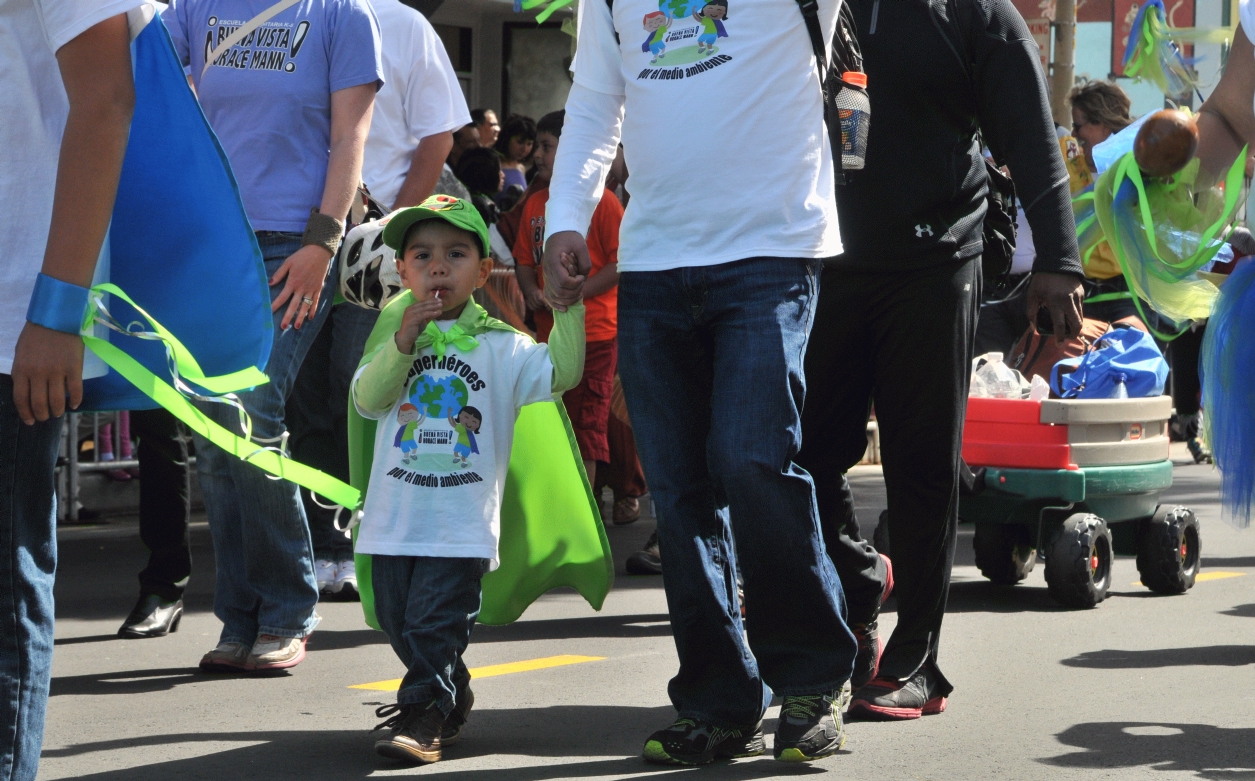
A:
<point x="243" y="30"/>
<point x="810" y="14"/>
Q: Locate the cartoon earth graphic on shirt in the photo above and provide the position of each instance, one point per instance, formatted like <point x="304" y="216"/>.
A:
<point x="678" y="9"/>
<point x="440" y="398"/>
<point x="423" y="421"/>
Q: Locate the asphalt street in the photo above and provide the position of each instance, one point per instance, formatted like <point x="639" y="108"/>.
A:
<point x="1140" y="687"/>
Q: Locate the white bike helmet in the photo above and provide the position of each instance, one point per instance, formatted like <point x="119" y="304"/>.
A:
<point x="368" y="267"/>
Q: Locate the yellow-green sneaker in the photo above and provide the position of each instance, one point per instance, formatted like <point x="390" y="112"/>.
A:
<point x="810" y="727"/>
<point x="694" y="742"/>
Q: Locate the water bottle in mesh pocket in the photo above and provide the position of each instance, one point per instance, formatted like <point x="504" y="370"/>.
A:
<point x="854" y="114"/>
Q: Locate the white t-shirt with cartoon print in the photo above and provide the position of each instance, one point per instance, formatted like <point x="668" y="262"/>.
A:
<point x="442" y="451"/>
<point x="722" y="129"/>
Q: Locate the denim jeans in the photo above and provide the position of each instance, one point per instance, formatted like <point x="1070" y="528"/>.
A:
<point x="28" y="563"/>
<point x="427" y="606"/>
<point x="318" y="415"/>
<point x="265" y="561"/>
<point x="711" y="364"/>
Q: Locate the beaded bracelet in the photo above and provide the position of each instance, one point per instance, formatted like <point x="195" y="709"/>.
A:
<point x="57" y="305"/>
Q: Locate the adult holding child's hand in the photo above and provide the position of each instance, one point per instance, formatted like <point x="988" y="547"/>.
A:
<point x="293" y="124"/>
<point x="566" y="264"/>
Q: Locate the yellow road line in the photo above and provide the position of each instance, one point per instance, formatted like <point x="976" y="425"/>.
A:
<point x="1218" y="575"/>
<point x="1205" y="576"/>
<point x="495" y="669"/>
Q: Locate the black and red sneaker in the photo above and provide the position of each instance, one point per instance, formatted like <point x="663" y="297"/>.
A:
<point x="867" y="660"/>
<point x="888" y="580"/>
<point x="885" y="699"/>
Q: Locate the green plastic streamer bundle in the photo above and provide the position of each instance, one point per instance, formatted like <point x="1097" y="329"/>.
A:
<point x="1164" y="230"/>
<point x="1152" y="56"/>
<point x="1089" y="233"/>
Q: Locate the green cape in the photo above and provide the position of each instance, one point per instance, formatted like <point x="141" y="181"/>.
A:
<point x="551" y="531"/>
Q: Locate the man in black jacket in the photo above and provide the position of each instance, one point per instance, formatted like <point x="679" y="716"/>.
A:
<point x="897" y="312"/>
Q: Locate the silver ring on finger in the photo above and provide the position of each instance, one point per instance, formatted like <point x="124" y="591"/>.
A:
<point x="307" y="301"/>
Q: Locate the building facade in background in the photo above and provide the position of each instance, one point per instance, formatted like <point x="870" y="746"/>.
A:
<point x="504" y="60"/>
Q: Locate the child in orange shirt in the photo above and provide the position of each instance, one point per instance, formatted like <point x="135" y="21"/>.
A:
<point x="587" y="404"/>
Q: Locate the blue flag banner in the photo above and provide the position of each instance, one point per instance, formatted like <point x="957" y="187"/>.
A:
<point x="180" y="243"/>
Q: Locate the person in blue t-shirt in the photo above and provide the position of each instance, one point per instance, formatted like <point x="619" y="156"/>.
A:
<point x="288" y="88"/>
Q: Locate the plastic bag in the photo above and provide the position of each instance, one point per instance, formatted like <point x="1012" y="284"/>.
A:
<point x="1164" y="231"/>
<point x="997" y="380"/>
<point x="1124" y="351"/>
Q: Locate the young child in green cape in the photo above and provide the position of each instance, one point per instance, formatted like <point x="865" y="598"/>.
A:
<point x="445" y="393"/>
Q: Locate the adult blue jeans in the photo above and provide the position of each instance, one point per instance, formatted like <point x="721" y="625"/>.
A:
<point x="711" y="364"/>
<point x="28" y="563"/>
<point x="318" y="415"/>
<point x="265" y="561"/>
<point x="427" y="606"/>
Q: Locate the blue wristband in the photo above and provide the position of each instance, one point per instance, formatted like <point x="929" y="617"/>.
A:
<point x="57" y="305"/>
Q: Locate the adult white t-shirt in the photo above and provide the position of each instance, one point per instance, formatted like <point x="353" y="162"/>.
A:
<point x="420" y="97"/>
<point x="1025" y="253"/>
<point x="722" y="129"/>
<point x="443" y="450"/>
<point x="34" y="108"/>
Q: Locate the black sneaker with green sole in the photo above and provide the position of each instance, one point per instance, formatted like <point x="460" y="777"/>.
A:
<point x="693" y="742"/>
<point x="810" y="727"/>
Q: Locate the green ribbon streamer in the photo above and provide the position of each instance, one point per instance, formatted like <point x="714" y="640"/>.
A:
<point x="171" y="399"/>
<point x="1167" y="270"/>
<point x="440" y="340"/>
<point x="1101" y="297"/>
<point x="1144" y="48"/>
<point x="187" y="366"/>
<point x="554" y="5"/>
<point x="1127" y="168"/>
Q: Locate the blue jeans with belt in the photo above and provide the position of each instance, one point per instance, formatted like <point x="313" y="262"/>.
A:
<point x="265" y="560"/>
<point x="28" y="562"/>
<point x="711" y="363"/>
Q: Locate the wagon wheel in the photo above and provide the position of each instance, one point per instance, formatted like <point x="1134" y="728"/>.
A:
<point x="1078" y="565"/>
<point x="1169" y="549"/>
<point x="1004" y="552"/>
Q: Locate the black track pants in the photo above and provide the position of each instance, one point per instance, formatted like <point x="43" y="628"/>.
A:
<point x="164" y="511"/>
<point x="903" y="340"/>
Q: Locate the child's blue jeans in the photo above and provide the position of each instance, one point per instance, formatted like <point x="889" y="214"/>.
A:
<point x="427" y="606"/>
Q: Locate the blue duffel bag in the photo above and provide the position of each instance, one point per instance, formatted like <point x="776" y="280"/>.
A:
<point x="1122" y="353"/>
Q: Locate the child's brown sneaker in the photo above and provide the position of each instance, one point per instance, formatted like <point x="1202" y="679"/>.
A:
<point x="414" y="733"/>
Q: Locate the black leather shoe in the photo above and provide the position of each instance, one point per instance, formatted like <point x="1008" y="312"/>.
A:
<point x="152" y="617"/>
